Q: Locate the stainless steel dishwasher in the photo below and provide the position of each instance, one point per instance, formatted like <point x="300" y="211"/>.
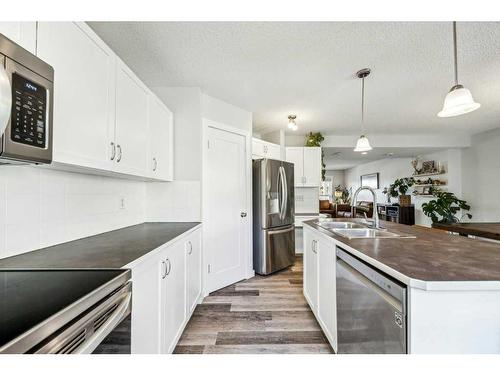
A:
<point x="371" y="309"/>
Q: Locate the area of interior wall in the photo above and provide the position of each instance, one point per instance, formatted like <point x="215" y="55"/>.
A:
<point x="390" y="169"/>
<point x="481" y="177"/>
<point x="337" y="177"/>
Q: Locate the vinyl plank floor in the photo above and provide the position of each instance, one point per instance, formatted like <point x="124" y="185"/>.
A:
<point x="262" y="315"/>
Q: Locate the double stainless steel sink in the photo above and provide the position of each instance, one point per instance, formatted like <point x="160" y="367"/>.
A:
<point x="353" y="230"/>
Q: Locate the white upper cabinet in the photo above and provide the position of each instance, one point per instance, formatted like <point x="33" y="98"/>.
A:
<point x="312" y="166"/>
<point x="161" y="128"/>
<point x="262" y="149"/>
<point x="307" y="162"/>
<point x="22" y="33"/>
<point x="131" y="130"/>
<point x="105" y="118"/>
<point x="84" y="91"/>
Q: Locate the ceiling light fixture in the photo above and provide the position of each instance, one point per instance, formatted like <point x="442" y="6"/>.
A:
<point x="363" y="144"/>
<point x="459" y="100"/>
<point x="291" y="123"/>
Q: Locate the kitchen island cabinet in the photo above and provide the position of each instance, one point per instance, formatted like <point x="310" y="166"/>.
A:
<point x="453" y="284"/>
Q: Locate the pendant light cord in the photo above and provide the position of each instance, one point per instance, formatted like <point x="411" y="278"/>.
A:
<point x="363" y="104"/>
<point x="455" y="51"/>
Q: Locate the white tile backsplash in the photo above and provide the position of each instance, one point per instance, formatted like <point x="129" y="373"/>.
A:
<point x="307" y="200"/>
<point x="174" y="201"/>
<point x="41" y="207"/>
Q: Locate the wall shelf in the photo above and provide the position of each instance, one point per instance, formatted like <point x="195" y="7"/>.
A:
<point x="428" y="174"/>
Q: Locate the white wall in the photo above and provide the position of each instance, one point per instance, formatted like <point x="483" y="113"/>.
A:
<point x="390" y="169"/>
<point x="228" y="114"/>
<point x="481" y="176"/>
<point x="337" y="177"/>
<point x="41" y="207"/>
<point x="186" y="104"/>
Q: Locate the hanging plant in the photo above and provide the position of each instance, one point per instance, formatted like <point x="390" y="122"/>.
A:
<point x="314" y="140"/>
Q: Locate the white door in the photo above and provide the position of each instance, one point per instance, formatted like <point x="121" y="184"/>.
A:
<point x="327" y="303"/>
<point x="132" y="133"/>
<point x="295" y="155"/>
<point x="311" y="269"/>
<point x="193" y="267"/>
<point x="84" y="102"/>
<point x="173" y="295"/>
<point x="161" y="158"/>
<point x="226" y="199"/>
<point x="312" y="166"/>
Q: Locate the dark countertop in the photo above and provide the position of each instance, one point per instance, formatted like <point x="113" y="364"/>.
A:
<point x="113" y="249"/>
<point x="485" y="230"/>
<point x="433" y="255"/>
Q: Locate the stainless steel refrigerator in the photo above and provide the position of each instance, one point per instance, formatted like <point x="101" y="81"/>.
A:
<point x="273" y="216"/>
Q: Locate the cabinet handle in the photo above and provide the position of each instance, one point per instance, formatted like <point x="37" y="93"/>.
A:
<point x="119" y="153"/>
<point x="314" y="249"/>
<point x="155" y="164"/>
<point x="169" y="267"/>
<point x="113" y="150"/>
<point x="163" y="269"/>
<point x="190" y="251"/>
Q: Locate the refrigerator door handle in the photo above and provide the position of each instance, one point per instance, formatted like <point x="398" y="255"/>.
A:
<point x="280" y="194"/>
<point x="285" y="189"/>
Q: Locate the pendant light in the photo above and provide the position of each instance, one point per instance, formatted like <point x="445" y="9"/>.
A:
<point x="291" y="123"/>
<point x="363" y="144"/>
<point x="459" y="100"/>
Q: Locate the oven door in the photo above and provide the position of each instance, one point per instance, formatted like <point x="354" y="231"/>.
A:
<point x="102" y="329"/>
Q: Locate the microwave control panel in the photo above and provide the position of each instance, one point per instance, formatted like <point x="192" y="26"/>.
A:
<point x="29" y="112"/>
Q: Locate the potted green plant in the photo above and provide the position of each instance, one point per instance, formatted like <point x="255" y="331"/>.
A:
<point x="399" y="189"/>
<point x="444" y="207"/>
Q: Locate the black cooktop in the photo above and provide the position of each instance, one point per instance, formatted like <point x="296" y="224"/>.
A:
<point x="28" y="297"/>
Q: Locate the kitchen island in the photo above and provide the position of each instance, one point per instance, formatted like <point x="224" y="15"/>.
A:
<point x="452" y="284"/>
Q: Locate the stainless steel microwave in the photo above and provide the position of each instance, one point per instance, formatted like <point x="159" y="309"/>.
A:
<point x="28" y="111"/>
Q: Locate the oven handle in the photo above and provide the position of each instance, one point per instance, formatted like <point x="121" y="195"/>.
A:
<point x="96" y="338"/>
<point x="5" y="97"/>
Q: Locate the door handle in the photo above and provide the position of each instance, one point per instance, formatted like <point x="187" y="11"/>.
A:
<point x="119" y="158"/>
<point x="113" y="150"/>
<point x="243" y="214"/>
<point x="163" y="269"/>
<point x="168" y="267"/>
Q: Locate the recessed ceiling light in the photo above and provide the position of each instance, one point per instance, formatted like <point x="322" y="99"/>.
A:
<point x="364" y="153"/>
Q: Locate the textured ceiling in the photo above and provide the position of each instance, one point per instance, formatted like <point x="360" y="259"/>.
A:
<point x="276" y="68"/>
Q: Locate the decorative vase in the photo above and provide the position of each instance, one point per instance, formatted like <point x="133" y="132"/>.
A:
<point x="405" y="200"/>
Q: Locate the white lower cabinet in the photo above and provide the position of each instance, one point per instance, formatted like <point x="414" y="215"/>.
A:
<point x="165" y="290"/>
<point x="193" y="271"/>
<point x="327" y="296"/>
<point x="320" y="282"/>
<point x="173" y="296"/>
<point x="310" y="269"/>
